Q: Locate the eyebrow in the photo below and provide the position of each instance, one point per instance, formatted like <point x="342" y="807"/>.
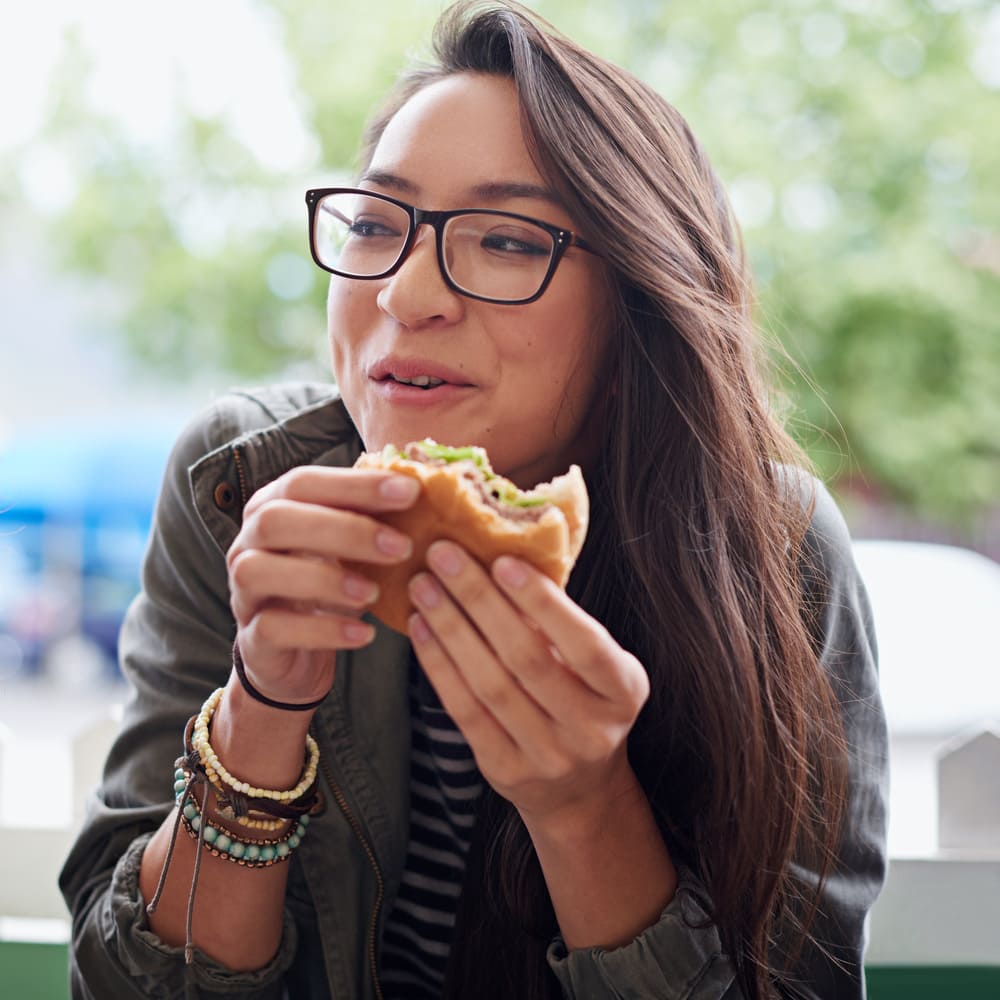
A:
<point x="491" y="191"/>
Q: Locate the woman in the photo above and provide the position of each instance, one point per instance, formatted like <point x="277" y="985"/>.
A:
<point x="668" y="781"/>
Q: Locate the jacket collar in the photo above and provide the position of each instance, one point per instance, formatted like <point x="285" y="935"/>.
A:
<point x="318" y="433"/>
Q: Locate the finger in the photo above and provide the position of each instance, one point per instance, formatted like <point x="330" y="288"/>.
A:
<point x="488" y="739"/>
<point x="257" y="577"/>
<point x="285" y="629"/>
<point x="585" y="645"/>
<point x="289" y="525"/>
<point x="519" y="643"/>
<point x="508" y="745"/>
<point x="370" y="490"/>
<point x="489" y="680"/>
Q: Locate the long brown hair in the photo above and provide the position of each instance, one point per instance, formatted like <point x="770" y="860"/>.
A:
<point x="698" y="520"/>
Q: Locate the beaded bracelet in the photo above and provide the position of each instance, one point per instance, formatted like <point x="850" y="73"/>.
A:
<point x="214" y="769"/>
<point x="221" y="843"/>
<point x="246" y="854"/>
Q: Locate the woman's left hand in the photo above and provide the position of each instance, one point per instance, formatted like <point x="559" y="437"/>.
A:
<point x="542" y="692"/>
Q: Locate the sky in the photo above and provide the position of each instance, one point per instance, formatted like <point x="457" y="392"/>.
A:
<point x="223" y="58"/>
<point x="219" y="58"/>
<point x="226" y="55"/>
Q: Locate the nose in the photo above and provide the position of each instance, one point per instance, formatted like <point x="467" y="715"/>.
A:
<point x="416" y="295"/>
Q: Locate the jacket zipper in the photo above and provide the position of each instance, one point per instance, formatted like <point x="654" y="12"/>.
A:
<point x="240" y="472"/>
<point x="356" y="827"/>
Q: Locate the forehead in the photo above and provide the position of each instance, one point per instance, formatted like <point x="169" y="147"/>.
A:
<point x="459" y="132"/>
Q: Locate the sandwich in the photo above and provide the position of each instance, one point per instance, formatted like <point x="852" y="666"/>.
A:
<point x="464" y="500"/>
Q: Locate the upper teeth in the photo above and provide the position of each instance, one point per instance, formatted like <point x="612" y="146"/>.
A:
<point x="422" y="380"/>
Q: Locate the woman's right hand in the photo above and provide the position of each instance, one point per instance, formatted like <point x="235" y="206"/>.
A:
<point x="295" y="604"/>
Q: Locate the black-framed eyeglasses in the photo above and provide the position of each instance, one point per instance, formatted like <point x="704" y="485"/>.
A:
<point x="484" y="254"/>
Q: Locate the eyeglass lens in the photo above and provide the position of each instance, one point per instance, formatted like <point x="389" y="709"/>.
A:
<point x="494" y="256"/>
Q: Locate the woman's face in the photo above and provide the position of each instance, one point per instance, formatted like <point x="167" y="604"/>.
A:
<point x="523" y="381"/>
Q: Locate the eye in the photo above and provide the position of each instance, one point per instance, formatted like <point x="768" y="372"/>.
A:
<point x="367" y="227"/>
<point x="520" y="241"/>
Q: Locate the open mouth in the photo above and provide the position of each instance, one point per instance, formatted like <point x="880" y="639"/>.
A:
<point x="409" y="378"/>
<point x="420" y="381"/>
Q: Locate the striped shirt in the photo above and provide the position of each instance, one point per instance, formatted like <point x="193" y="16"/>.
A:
<point x="445" y="786"/>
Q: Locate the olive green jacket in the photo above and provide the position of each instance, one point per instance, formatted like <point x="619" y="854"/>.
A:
<point x="176" y="648"/>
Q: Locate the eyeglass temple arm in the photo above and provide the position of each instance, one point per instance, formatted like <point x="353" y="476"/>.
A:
<point x="323" y="207"/>
<point x="579" y="241"/>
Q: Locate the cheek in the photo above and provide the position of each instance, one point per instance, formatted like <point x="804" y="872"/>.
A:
<point x="344" y="314"/>
<point x="338" y="305"/>
<point x="578" y="347"/>
<point x="338" y="362"/>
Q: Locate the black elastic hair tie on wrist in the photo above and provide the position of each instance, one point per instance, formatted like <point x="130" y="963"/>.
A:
<point x="241" y="672"/>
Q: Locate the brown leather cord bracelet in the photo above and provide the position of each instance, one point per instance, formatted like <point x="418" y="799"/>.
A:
<point x="286" y="706"/>
<point x="232" y="803"/>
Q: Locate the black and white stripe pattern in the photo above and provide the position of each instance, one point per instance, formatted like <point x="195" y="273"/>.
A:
<point x="445" y="786"/>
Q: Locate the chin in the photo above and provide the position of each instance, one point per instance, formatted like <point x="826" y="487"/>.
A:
<point x="400" y="432"/>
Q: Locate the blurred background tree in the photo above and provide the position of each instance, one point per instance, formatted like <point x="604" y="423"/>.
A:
<point x="858" y="140"/>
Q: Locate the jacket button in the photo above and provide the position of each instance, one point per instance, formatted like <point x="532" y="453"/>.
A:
<point x="225" y="496"/>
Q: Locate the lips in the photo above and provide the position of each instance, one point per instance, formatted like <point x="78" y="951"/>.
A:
<point x="423" y="373"/>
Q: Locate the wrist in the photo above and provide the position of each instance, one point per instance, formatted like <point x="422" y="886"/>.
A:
<point x="608" y="870"/>
<point x="251" y="689"/>
<point x="586" y="817"/>
<point x="260" y="745"/>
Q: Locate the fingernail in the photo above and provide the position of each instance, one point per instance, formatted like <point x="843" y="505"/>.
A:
<point x="358" y="632"/>
<point x="399" y="488"/>
<point x="510" y="571"/>
<point x="425" y="591"/>
<point x="360" y="589"/>
<point x="446" y="558"/>
<point x="419" y="629"/>
<point x="392" y="543"/>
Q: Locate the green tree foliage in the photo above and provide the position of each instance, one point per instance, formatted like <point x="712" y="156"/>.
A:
<point x="857" y="138"/>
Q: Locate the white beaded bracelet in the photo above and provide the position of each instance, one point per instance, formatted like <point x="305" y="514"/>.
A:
<point x="214" y="769"/>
